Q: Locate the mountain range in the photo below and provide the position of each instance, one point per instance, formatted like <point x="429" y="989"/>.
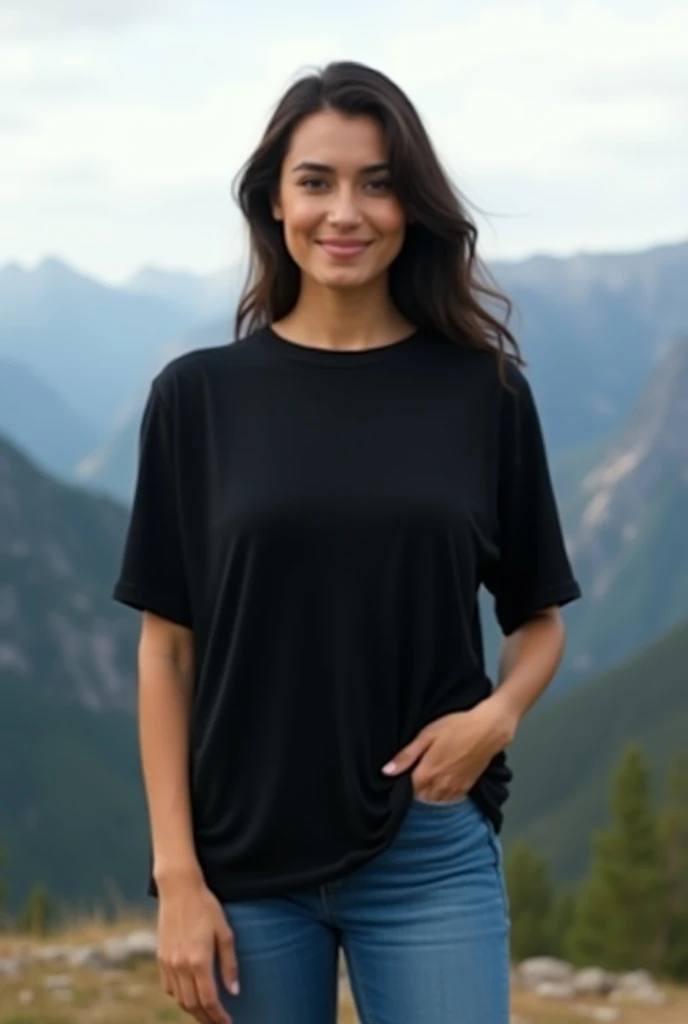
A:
<point x="71" y="805"/>
<point x="90" y="342"/>
<point x="592" y="328"/>
<point x="71" y="808"/>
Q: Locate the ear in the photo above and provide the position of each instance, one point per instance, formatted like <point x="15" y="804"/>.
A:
<point x="277" y="208"/>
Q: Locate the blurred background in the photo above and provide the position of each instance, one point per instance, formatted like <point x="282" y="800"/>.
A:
<point x="122" y="126"/>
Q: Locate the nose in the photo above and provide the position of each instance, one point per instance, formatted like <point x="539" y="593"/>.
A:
<point x="344" y="211"/>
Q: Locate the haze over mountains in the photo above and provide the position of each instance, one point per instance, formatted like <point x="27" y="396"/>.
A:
<point x="92" y="343"/>
<point x="592" y="329"/>
<point x="607" y="342"/>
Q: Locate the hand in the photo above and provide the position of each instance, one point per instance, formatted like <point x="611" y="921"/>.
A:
<point x="192" y="928"/>
<point x="454" y="751"/>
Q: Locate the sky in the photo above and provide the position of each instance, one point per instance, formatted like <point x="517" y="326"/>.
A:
<point x="124" y="122"/>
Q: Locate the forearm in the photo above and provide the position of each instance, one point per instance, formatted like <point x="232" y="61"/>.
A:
<point x="165" y="706"/>
<point x="528" y="662"/>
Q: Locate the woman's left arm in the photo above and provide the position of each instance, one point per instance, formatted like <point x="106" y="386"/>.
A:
<point x="528" y="661"/>
<point x="451" y="752"/>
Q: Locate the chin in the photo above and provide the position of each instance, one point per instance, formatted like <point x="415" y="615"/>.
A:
<point x="344" y="278"/>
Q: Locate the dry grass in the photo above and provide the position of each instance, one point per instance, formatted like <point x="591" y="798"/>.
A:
<point x="537" y="1011"/>
<point x="134" y="995"/>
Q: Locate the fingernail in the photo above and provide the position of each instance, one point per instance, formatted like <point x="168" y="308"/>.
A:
<point x="234" y="988"/>
<point x="389" y="768"/>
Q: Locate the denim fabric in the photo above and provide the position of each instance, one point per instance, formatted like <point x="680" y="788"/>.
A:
<point x="424" y="928"/>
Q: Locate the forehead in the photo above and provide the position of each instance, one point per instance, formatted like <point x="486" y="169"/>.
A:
<point x="329" y="137"/>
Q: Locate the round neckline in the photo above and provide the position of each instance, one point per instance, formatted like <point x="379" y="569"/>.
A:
<point x="338" y="357"/>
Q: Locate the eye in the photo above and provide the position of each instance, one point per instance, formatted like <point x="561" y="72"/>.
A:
<point x="380" y="185"/>
<point x="311" y="184"/>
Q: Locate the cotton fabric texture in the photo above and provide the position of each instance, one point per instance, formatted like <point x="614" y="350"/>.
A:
<point x="323" y="521"/>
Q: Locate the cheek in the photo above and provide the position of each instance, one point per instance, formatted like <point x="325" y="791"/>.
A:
<point x="300" y="217"/>
<point x="391" y="222"/>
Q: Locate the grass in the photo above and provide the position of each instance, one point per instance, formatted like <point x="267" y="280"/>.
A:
<point x="134" y="995"/>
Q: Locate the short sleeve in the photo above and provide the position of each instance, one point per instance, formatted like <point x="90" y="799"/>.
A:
<point x="532" y="570"/>
<point x="152" y="573"/>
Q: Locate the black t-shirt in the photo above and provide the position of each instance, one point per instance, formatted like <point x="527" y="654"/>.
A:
<point x="323" y="520"/>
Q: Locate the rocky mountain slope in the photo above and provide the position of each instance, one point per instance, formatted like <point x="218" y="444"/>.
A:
<point x="626" y="526"/>
<point x="71" y="808"/>
<point x="38" y="418"/>
<point x="59" y="548"/>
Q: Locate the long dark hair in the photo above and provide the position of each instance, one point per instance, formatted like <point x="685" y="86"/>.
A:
<point x="437" y="280"/>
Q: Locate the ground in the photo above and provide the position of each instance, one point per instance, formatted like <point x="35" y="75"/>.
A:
<point x="134" y="995"/>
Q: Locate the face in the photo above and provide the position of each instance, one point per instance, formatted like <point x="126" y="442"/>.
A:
<point x="343" y="225"/>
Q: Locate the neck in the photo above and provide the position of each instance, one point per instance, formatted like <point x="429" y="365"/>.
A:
<point x="356" y="318"/>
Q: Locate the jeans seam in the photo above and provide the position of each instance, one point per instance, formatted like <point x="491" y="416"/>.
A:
<point x="329" y="915"/>
<point x="498" y="865"/>
<point x="362" y="1009"/>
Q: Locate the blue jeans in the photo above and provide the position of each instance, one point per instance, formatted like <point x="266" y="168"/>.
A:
<point x="423" y="926"/>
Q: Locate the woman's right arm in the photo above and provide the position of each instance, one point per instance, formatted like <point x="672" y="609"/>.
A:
<point x="192" y="926"/>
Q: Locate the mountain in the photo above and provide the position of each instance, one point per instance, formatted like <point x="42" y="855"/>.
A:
<point x="59" y="549"/>
<point x="40" y="421"/>
<point x="207" y="296"/>
<point x="111" y="466"/>
<point x="593" y="327"/>
<point x="626" y="526"/>
<point x="71" y="807"/>
<point x="567" y="748"/>
<point x="93" y="343"/>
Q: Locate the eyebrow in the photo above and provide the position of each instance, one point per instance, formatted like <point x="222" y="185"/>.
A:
<point x="308" y="165"/>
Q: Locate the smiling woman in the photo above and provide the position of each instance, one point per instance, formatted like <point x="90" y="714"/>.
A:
<point x="316" y="508"/>
<point x="343" y="223"/>
<point x="346" y="170"/>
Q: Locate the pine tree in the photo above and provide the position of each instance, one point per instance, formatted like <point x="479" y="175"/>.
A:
<point x="38" y="912"/>
<point x="674" y="825"/>
<point x="560" y="922"/>
<point x="620" y="911"/>
<point x="3" y="887"/>
<point x="530" y="901"/>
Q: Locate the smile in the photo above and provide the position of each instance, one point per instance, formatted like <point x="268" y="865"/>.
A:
<point x="344" y="250"/>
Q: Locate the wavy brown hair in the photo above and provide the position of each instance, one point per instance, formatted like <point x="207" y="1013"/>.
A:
<point x="437" y="280"/>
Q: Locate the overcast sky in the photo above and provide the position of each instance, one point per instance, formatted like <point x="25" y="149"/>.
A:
<point x="123" y="122"/>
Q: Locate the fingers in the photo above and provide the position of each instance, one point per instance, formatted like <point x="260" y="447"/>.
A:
<point x="189" y="999"/>
<point x="208" y="998"/>
<point x="229" y="970"/>
<point x="193" y="987"/>
<point x="404" y="758"/>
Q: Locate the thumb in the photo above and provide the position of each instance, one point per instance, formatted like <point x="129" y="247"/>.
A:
<point x="407" y="755"/>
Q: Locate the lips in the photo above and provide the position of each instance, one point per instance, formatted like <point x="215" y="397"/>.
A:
<point x="343" y="249"/>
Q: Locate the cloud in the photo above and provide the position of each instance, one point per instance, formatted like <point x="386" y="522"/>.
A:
<point x="560" y="119"/>
<point x="50" y="17"/>
<point x="58" y="87"/>
<point x="13" y="124"/>
<point x="76" y="177"/>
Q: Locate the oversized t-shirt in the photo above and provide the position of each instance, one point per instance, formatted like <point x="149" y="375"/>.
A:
<point x="322" y="520"/>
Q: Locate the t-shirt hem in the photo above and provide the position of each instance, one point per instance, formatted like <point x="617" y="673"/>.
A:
<point x="254" y="889"/>
<point x="145" y="600"/>
<point x="559" y="594"/>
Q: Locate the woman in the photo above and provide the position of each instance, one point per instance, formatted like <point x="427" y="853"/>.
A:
<point x="316" y="507"/>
